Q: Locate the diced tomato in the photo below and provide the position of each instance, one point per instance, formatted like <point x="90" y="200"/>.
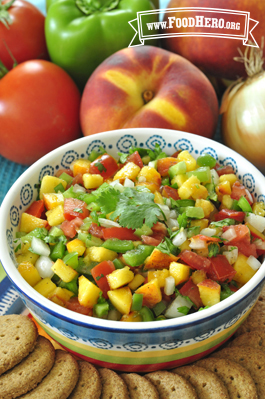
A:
<point x="150" y="240"/>
<point x="105" y="165"/>
<point x="74" y="207"/>
<point x="233" y="288"/>
<point x="136" y="159"/>
<point x="69" y="227"/>
<point x="170" y="192"/>
<point x="78" y="179"/>
<point x="176" y="154"/>
<point x="164" y="164"/>
<point x="67" y="171"/>
<point x="122" y="233"/>
<point x="191" y="290"/>
<point x="96" y="231"/>
<point x="74" y="305"/>
<point x="225" y="170"/>
<point x="242" y="240"/>
<point x="36" y="209"/>
<point x="206" y="238"/>
<point x="229" y="213"/>
<point x="195" y="261"/>
<point x="99" y="274"/>
<point x="238" y="190"/>
<point x="220" y="269"/>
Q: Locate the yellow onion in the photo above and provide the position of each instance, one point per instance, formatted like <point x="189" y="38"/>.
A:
<point x="243" y="110"/>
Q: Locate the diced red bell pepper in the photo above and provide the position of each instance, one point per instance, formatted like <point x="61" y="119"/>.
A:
<point x="191" y="290"/>
<point x="136" y="159"/>
<point x="74" y="207"/>
<point x="105" y="165"/>
<point x="122" y="233"/>
<point x="230" y="214"/>
<point x="220" y="269"/>
<point x="99" y="274"/>
<point x="195" y="261"/>
<point x="36" y="209"/>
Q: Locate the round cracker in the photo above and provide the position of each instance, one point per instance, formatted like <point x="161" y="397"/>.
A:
<point x="18" y="335"/>
<point x="207" y="385"/>
<point x="113" y="385"/>
<point x="171" y="385"/>
<point x="60" y="381"/>
<point x="89" y="383"/>
<point x="255" y="339"/>
<point x="252" y="359"/>
<point x="140" y="387"/>
<point x="236" y="378"/>
<point x="29" y="372"/>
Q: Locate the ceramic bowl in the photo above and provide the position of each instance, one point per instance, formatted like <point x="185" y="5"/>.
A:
<point x="130" y="346"/>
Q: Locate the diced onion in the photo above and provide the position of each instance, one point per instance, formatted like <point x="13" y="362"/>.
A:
<point x="173" y="309"/>
<point x="170" y="285"/>
<point x="152" y="164"/>
<point x="208" y="232"/>
<point x="78" y="189"/>
<point x="18" y="245"/>
<point x="168" y="202"/>
<point x="249" y="196"/>
<point x="173" y="214"/>
<point x="215" y="177"/>
<point x="180" y="238"/>
<point x="171" y="223"/>
<point x="40" y="247"/>
<point x="196" y="243"/>
<point x="231" y="255"/>
<point x="128" y="183"/>
<point x="256" y="221"/>
<point x="253" y="262"/>
<point x="229" y="234"/>
<point x="165" y="209"/>
<point x="260" y="244"/>
<point x="117" y="185"/>
<point x="43" y="265"/>
<point x="108" y="223"/>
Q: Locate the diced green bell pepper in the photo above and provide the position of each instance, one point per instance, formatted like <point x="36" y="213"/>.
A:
<point x="71" y="259"/>
<point x="137" y="302"/>
<point x="58" y="251"/>
<point x="177" y="169"/>
<point x="120" y="246"/>
<point x="203" y="174"/>
<point x="244" y="204"/>
<point x="147" y="314"/>
<point x="137" y="256"/>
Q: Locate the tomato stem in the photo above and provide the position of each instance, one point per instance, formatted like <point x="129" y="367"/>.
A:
<point x="4" y="14"/>
<point x="3" y="70"/>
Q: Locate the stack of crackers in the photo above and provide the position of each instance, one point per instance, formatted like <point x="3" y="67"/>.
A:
<point x="31" y="368"/>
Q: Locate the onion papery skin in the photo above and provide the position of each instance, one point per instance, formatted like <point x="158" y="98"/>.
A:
<point x="243" y="119"/>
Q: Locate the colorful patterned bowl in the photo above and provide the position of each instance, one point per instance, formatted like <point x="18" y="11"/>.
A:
<point x="129" y="346"/>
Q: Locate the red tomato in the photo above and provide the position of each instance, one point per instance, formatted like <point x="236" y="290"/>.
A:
<point x="238" y="190"/>
<point x="105" y="165"/>
<point x="135" y="158"/>
<point x="191" y="290"/>
<point x="122" y="233"/>
<point x="229" y="213"/>
<point x="96" y="231"/>
<point x="78" y="179"/>
<point x="99" y="274"/>
<point x="159" y="229"/>
<point x="74" y="208"/>
<point x="69" y="227"/>
<point x="242" y="240"/>
<point x="164" y="164"/>
<point x="36" y="209"/>
<point x="170" y="192"/>
<point x="220" y="269"/>
<point x="74" y="305"/>
<point x="24" y="36"/>
<point x="195" y="261"/>
<point x="206" y="238"/>
<point x="39" y="110"/>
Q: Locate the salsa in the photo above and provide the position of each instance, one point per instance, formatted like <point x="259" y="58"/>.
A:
<point x="141" y="238"/>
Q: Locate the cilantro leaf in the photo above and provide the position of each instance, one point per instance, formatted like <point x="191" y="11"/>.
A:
<point x="100" y="167"/>
<point x="184" y="309"/>
<point x="182" y="220"/>
<point x="108" y="200"/>
<point x="224" y="222"/>
<point x="136" y="208"/>
<point x="167" y="247"/>
<point x="213" y="250"/>
<point x="123" y="157"/>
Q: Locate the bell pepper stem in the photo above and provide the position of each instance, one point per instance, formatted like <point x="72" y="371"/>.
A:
<point x="91" y="6"/>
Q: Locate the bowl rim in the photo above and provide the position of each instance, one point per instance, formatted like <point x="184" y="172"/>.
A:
<point x="93" y="322"/>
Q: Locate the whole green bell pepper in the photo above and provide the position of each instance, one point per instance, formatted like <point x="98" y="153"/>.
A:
<point x="81" y="34"/>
